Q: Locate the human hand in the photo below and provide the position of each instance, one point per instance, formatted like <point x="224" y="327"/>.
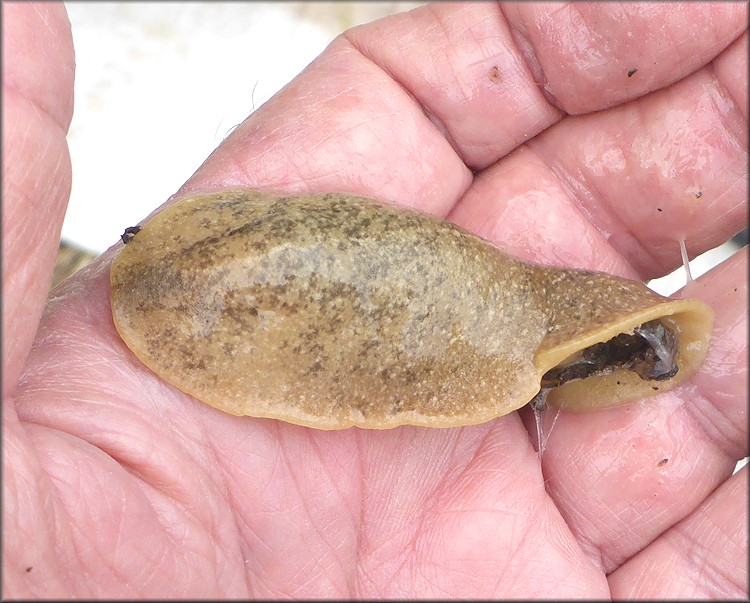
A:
<point x="118" y="485"/>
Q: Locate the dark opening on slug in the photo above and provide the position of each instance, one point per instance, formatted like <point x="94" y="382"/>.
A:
<point x="649" y="352"/>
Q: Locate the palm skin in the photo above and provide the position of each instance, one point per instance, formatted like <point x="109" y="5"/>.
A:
<point x="118" y="485"/>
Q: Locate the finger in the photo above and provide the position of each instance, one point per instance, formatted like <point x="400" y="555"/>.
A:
<point x="460" y="61"/>
<point x="623" y="476"/>
<point x="630" y="182"/>
<point x="668" y="166"/>
<point x="492" y="76"/>
<point x="37" y="106"/>
<point x="590" y="56"/>
<point x="702" y="557"/>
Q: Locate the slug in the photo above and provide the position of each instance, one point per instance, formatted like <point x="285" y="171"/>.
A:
<point x="332" y="311"/>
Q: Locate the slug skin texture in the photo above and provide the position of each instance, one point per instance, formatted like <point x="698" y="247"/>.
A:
<point x="332" y="311"/>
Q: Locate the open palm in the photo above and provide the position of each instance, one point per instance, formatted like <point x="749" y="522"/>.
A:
<point x="592" y="136"/>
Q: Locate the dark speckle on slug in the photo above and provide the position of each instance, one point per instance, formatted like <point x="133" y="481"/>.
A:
<point x="329" y="310"/>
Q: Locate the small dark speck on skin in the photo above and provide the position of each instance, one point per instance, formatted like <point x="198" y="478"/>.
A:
<point x="698" y="195"/>
<point x="495" y="74"/>
<point x="654" y="387"/>
<point x="659" y="209"/>
<point x="662" y="462"/>
<point x="28" y="569"/>
<point x="631" y="73"/>
<point x="129" y="234"/>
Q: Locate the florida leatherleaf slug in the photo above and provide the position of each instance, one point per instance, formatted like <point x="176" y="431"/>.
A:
<point x="329" y="310"/>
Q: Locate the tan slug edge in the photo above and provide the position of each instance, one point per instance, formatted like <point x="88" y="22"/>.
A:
<point x="332" y="311"/>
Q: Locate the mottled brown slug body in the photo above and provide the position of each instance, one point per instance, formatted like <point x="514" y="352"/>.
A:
<point x="332" y="311"/>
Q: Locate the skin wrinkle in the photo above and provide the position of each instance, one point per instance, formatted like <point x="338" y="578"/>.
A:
<point x="721" y="196"/>
<point x="64" y="119"/>
<point x="255" y="577"/>
<point x="21" y="229"/>
<point x="702" y="420"/>
<point x="720" y="437"/>
<point x="426" y="111"/>
<point x="27" y="140"/>
<point x="366" y="552"/>
<point x="652" y="43"/>
<point x="436" y="495"/>
<point x="345" y="39"/>
<point x="10" y="88"/>
<point x="720" y="90"/>
<point x="742" y="44"/>
<point x="340" y="132"/>
<point x="62" y="507"/>
<point x="150" y="491"/>
<point x="568" y="184"/>
<point x="589" y="240"/>
<point x="148" y="487"/>
<point x="701" y="564"/>
<point x="311" y="516"/>
<point x="523" y="535"/>
<point x="244" y="528"/>
<point x="456" y="85"/>
<point x="101" y="441"/>
<point x="526" y="70"/>
<point x="533" y="64"/>
<point x="593" y="551"/>
<point x="262" y="584"/>
<point x="52" y="510"/>
<point x="341" y="496"/>
<point x="114" y="566"/>
<point x="301" y="570"/>
<point x="359" y="570"/>
<point x="310" y="182"/>
<point x="247" y="171"/>
<point x="14" y="238"/>
<point x="427" y="529"/>
<point x="331" y="570"/>
<point x="525" y="55"/>
<point x="612" y="560"/>
<point x="413" y="548"/>
<point x="24" y="281"/>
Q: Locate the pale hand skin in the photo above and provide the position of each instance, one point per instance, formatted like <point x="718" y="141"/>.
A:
<point x="118" y="485"/>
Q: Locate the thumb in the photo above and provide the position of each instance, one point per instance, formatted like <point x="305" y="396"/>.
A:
<point x="38" y="71"/>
